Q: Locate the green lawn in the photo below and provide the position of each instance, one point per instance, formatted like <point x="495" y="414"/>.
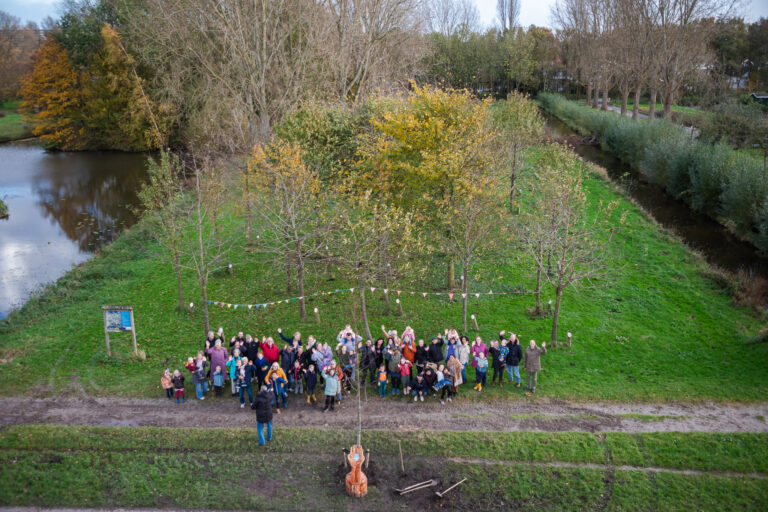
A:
<point x="645" y="105"/>
<point x="656" y="330"/>
<point x="12" y="126"/>
<point x="301" y="469"/>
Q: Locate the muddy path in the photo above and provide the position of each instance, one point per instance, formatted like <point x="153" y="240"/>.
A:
<point x="536" y="415"/>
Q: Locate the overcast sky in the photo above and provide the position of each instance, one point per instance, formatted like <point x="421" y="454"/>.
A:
<point x="532" y="12"/>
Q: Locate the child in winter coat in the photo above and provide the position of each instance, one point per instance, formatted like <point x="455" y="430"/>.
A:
<point x="394" y="370"/>
<point x="311" y="377"/>
<point x="297" y="375"/>
<point x="178" y="385"/>
<point x="419" y="388"/>
<point x="279" y="387"/>
<point x="167" y="383"/>
<point x="405" y="375"/>
<point x="382" y="380"/>
<point x="218" y="381"/>
<point x="231" y="365"/>
<point x="332" y="387"/>
<point x="480" y="370"/>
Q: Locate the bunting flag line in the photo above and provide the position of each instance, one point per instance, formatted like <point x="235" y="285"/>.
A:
<point x="263" y="305"/>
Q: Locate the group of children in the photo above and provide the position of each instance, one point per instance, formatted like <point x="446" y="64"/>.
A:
<point x="439" y="367"/>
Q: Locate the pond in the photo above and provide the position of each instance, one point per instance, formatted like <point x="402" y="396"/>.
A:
<point x="63" y="206"/>
<point x="718" y="245"/>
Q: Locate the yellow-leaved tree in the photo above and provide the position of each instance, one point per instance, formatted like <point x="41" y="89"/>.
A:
<point x="422" y="147"/>
<point x="53" y="100"/>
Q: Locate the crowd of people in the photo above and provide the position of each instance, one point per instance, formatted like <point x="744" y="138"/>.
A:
<point x="396" y="364"/>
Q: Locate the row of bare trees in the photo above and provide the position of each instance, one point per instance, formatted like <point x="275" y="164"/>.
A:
<point x="635" y="46"/>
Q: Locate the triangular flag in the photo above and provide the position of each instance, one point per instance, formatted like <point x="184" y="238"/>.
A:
<point x="386" y="290"/>
<point x="450" y="296"/>
<point x="209" y="302"/>
<point x="490" y="292"/>
<point x="336" y="290"/>
<point x="301" y="298"/>
<point x="250" y="306"/>
<point x="229" y="305"/>
<point x="412" y="293"/>
<point x="351" y="289"/>
<point x="286" y="301"/>
<point x="477" y="295"/>
<point x="463" y="295"/>
<point x="372" y="290"/>
<point x="424" y="294"/>
<point x="399" y="292"/>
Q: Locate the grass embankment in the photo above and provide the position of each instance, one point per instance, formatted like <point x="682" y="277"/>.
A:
<point x="656" y="330"/>
<point x="714" y="180"/>
<point x="12" y="125"/>
<point x="301" y="469"/>
<point x="3" y="209"/>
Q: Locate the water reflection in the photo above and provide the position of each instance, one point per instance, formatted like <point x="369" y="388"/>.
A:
<point x="63" y="206"/>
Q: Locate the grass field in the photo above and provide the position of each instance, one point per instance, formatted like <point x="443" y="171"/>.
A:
<point x="657" y="330"/>
<point x="301" y="469"/>
<point x="645" y="105"/>
<point x="12" y="126"/>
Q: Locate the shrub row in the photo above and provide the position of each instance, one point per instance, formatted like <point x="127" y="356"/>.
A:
<point x="713" y="179"/>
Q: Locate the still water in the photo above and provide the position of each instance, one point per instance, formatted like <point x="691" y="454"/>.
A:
<point x="718" y="245"/>
<point x="62" y="207"/>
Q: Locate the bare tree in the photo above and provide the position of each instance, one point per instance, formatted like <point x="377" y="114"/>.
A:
<point x="162" y="198"/>
<point x="17" y="45"/>
<point x="449" y="17"/>
<point x="560" y="226"/>
<point x="520" y="125"/>
<point x="367" y="228"/>
<point x="231" y="68"/>
<point x="507" y="14"/>
<point x="293" y="207"/>
<point x="205" y="244"/>
<point x="365" y="35"/>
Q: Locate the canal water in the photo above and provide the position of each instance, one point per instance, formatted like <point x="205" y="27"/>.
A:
<point x="63" y="206"/>
<point x="718" y="245"/>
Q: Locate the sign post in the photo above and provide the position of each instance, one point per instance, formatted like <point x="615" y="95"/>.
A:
<point x="119" y="319"/>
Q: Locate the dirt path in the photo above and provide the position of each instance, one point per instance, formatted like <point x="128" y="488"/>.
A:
<point x="538" y="415"/>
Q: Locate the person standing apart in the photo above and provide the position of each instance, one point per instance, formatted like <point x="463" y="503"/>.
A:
<point x="533" y="363"/>
<point x="263" y="414"/>
<point x="332" y="387"/>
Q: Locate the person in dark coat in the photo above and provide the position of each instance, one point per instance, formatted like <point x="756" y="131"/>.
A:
<point x="513" y="359"/>
<point x="263" y="414"/>
<point x="419" y="388"/>
<point x="367" y="361"/>
<point x="422" y="357"/>
<point x="435" y="350"/>
<point x="250" y="348"/>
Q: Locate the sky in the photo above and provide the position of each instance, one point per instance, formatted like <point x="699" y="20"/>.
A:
<point x="532" y="12"/>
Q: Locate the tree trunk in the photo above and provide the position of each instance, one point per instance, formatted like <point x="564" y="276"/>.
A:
<point x="464" y="298"/>
<point x="604" y="105"/>
<point x="179" y="287"/>
<point x="556" y="315"/>
<point x="206" y="318"/>
<point x="248" y="213"/>
<point x="595" y="93"/>
<point x="364" y="312"/>
<point x="636" y="104"/>
<point x="451" y="275"/>
<point x="624" y="96"/>
<point x="652" y="105"/>
<point x="589" y="93"/>
<point x="512" y="179"/>
<point x="300" y="283"/>
<point x="288" y="284"/>
<point x="667" y="100"/>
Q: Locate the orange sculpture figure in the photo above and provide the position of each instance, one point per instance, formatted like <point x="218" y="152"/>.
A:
<point x="357" y="482"/>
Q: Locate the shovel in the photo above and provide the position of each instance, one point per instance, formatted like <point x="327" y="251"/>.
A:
<point x="416" y="487"/>
<point x="441" y="494"/>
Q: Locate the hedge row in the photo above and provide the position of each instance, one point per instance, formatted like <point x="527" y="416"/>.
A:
<point x="713" y="179"/>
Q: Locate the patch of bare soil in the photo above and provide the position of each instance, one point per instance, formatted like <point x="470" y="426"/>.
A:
<point x="536" y="415"/>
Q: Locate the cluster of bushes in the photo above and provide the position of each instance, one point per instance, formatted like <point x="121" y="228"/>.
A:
<point x="712" y="178"/>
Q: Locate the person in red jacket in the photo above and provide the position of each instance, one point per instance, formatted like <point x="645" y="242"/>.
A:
<point x="271" y="352"/>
